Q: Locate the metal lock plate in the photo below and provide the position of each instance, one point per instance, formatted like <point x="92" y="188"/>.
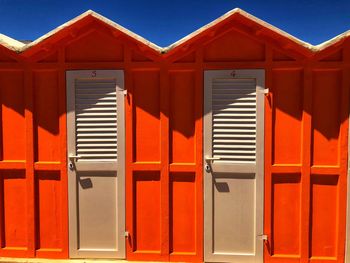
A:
<point x="207" y="168"/>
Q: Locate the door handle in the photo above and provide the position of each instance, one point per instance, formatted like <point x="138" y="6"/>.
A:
<point x="73" y="157"/>
<point x="209" y="159"/>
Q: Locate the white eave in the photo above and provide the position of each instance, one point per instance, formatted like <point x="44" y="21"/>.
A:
<point x="11" y="43"/>
<point x="20" y="47"/>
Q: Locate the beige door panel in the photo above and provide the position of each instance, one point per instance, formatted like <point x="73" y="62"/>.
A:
<point x="95" y="124"/>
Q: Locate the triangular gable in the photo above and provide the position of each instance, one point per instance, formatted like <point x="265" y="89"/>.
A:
<point x="48" y="40"/>
<point x="253" y="26"/>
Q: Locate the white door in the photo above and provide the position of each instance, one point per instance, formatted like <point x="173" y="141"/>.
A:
<point x="233" y="171"/>
<point x="95" y="124"/>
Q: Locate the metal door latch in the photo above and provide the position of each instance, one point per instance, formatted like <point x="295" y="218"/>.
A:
<point x="208" y="162"/>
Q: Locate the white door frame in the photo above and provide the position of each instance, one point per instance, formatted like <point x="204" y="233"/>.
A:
<point x="209" y="75"/>
<point x="119" y="251"/>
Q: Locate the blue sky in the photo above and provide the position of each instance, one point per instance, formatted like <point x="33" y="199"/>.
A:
<point x="164" y="22"/>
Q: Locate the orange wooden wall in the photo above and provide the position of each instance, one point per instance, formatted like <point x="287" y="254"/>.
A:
<point x="306" y="141"/>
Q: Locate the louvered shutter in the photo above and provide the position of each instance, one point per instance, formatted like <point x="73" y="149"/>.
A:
<point x="234" y="120"/>
<point x="96" y="119"/>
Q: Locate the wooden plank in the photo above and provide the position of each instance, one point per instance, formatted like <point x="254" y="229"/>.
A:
<point x="28" y="91"/>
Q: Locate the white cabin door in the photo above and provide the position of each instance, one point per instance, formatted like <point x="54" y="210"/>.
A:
<point x="95" y="124"/>
<point x="233" y="165"/>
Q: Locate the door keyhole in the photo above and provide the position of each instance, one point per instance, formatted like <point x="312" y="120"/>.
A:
<point x="207" y="168"/>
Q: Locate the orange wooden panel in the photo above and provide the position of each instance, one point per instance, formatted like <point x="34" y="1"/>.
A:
<point x="139" y="57"/>
<point x="287" y="110"/>
<point x="147" y="212"/>
<point x="146" y="116"/>
<point x="48" y="192"/>
<point x="95" y="46"/>
<point x="281" y="56"/>
<point x="4" y="56"/>
<point x="334" y="56"/>
<point x="13" y="123"/>
<point x="49" y="58"/>
<point x="46" y="116"/>
<point x="234" y="46"/>
<point x="286" y="198"/>
<point x="182" y="125"/>
<point x="326" y="117"/>
<point x="324" y="216"/>
<point x="183" y="213"/>
<point x="188" y="58"/>
<point x="14" y="220"/>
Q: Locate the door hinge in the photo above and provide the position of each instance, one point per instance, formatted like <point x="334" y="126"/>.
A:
<point x="263" y="237"/>
<point x="265" y="91"/>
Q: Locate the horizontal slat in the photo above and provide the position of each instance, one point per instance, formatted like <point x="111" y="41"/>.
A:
<point x="84" y="119"/>
<point x="84" y="145"/>
<point x="234" y="125"/>
<point x="236" y="146"/>
<point x="227" y="162"/>
<point x="230" y="135"/>
<point x="233" y="115"/>
<point x="232" y="99"/>
<point x="96" y="150"/>
<point x="234" y="120"/>
<point x="242" y="140"/>
<point x="84" y="124"/>
<point x="88" y="114"/>
<point x="250" y="131"/>
<point x="97" y="139"/>
<point x="234" y="157"/>
<point x="235" y="153"/>
<point x="100" y="108"/>
<point x="233" y="103"/>
<point x="218" y="108"/>
<point x="97" y="129"/>
<point x="91" y="134"/>
<point x="91" y="103"/>
<point x="93" y="100"/>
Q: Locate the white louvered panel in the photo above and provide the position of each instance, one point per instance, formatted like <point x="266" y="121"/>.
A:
<point x="96" y="119"/>
<point x="234" y="120"/>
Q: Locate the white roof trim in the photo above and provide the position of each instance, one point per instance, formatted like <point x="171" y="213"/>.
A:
<point x="18" y="46"/>
<point x="10" y="43"/>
